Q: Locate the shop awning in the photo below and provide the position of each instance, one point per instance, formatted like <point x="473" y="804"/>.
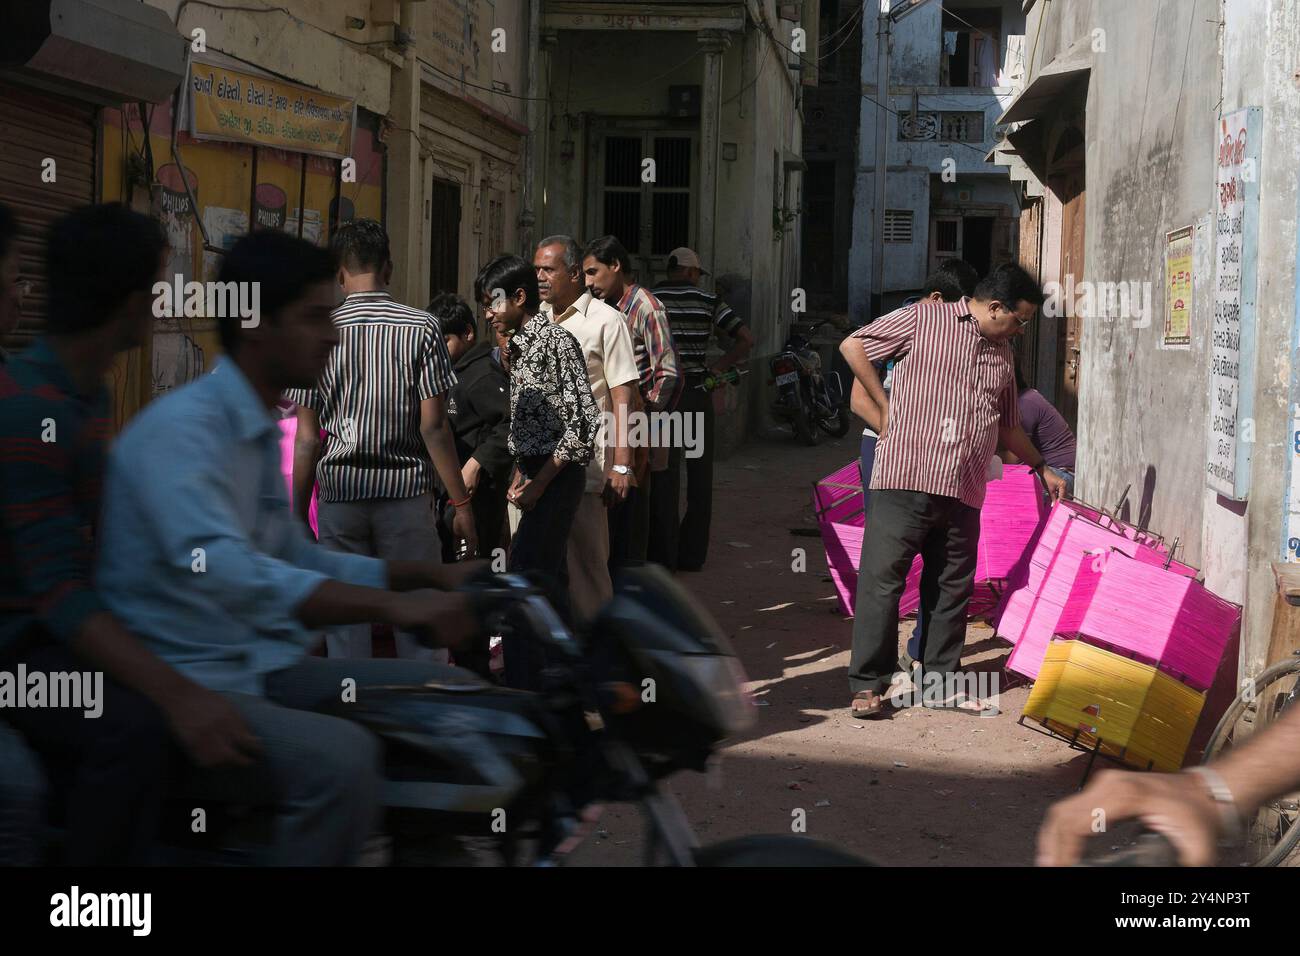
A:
<point x="1051" y="83"/>
<point x="102" y="51"/>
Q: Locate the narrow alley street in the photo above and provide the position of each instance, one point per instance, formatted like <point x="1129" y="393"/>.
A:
<point x="922" y="788"/>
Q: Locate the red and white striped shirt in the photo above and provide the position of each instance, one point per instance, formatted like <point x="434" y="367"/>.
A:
<point x="952" y="389"/>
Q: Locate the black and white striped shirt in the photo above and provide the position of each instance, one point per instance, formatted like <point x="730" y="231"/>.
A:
<point x="390" y="357"/>
<point x="693" y="314"/>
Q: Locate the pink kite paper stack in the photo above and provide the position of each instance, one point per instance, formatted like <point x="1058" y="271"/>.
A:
<point x="1013" y="512"/>
<point x="837" y="500"/>
<point x="1038" y="592"/>
<point x="288" y="430"/>
<point x="1162" y="617"/>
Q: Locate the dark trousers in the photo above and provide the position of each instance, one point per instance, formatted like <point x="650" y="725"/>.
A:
<point x="489" y="506"/>
<point x="901" y="524"/>
<point x="541" y="546"/>
<point x="915" y="643"/>
<point x="106" y="774"/>
<point x="685" y="544"/>
<point x="629" y="528"/>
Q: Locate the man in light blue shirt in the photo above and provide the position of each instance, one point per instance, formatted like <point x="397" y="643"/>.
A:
<point x="201" y="557"/>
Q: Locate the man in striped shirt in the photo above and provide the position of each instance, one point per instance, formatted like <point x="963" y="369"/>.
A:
<point x="953" y="401"/>
<point x="951" y="281"/>
<point x="693" y="315"/>
<point x="382" y="403"/>
<point x="608" y="270"/>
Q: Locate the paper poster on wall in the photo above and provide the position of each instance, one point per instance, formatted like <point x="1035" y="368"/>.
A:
<point x="311" y="225"/>
<point x="224" y="226"/>
<point x="1291" y="449"/>
<point x="172" y="206"/>
<point x="269" y="206"/>
<point x="1178" y="289"/>
<point x="1232" y="331"/>
<point x="177" y="359"/>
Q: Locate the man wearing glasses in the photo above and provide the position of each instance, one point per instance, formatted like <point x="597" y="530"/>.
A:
<point x="953" y="402"/>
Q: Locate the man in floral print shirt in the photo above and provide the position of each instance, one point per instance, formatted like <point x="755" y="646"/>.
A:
<point x="553" y="420"/>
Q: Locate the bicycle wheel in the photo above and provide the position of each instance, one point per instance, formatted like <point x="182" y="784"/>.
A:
<point x="1272" y="834"/>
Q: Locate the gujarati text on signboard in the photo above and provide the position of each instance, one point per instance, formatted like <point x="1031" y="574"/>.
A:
<point x="246" y="108"/>
<point x="1232" y="331"/>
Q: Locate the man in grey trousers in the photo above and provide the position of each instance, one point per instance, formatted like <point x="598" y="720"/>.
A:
<point x="381" y="401"/>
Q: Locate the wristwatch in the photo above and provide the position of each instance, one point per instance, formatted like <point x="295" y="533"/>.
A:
<point x="1233" y="826"/>
<point x="621" y="470"/>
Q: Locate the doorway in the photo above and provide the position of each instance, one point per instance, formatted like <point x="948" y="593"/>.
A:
<point x="977" y="242"/>
<point x="820" y="255"/>
<point x="444" y="237"/>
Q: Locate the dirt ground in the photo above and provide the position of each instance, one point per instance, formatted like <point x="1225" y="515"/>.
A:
<point x="924" y="788"/>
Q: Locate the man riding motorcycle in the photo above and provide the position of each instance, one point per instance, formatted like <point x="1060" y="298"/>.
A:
<point x="201" y="556"/>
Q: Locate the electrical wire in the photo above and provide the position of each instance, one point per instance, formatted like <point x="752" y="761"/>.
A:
<point x="843" y="43"/>
<point x="848" y="22"/>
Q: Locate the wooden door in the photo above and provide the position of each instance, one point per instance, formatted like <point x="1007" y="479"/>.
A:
<point x="1071" y="194"/>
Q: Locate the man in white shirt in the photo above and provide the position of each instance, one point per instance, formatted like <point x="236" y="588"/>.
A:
<point x="611" y="369"/>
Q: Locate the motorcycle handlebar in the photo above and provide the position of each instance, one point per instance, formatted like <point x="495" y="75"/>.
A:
<point x="488" y="592"/>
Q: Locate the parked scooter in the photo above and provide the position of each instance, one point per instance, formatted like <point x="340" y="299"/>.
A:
<point x="810" y="400"/>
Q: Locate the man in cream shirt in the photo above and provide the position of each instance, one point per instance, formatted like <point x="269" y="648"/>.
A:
<point x="611" y="369"/>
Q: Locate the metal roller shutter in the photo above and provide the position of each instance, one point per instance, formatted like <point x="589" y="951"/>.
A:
<point x="33" y="126"/>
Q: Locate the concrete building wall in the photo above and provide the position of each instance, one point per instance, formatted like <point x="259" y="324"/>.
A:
<point x="1267" y="81"/>
<point x="905" y="262"/>
<point x="1143" y="408"/>
<point x="915" y="75"/>
<point x="312" y="45"/>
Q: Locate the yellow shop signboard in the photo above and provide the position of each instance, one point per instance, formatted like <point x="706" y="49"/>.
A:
<point x="246" y="108"/>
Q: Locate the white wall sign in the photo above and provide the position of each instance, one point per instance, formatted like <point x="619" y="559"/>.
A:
<point x="1232" y="342"/>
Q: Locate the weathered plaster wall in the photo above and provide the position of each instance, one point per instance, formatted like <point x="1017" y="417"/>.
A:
<point x="311" y="47"/>
<point x="1154" y="98"/>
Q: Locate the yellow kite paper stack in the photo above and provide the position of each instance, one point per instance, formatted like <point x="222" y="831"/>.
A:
<point x="1140" y="715"/>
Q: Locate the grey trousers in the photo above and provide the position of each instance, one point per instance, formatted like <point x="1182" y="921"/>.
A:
<point x="393" y="529"/>
<point x="323" y="774"/>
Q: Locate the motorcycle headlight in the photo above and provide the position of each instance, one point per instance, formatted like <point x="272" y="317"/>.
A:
<point x="714" y="689"/>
